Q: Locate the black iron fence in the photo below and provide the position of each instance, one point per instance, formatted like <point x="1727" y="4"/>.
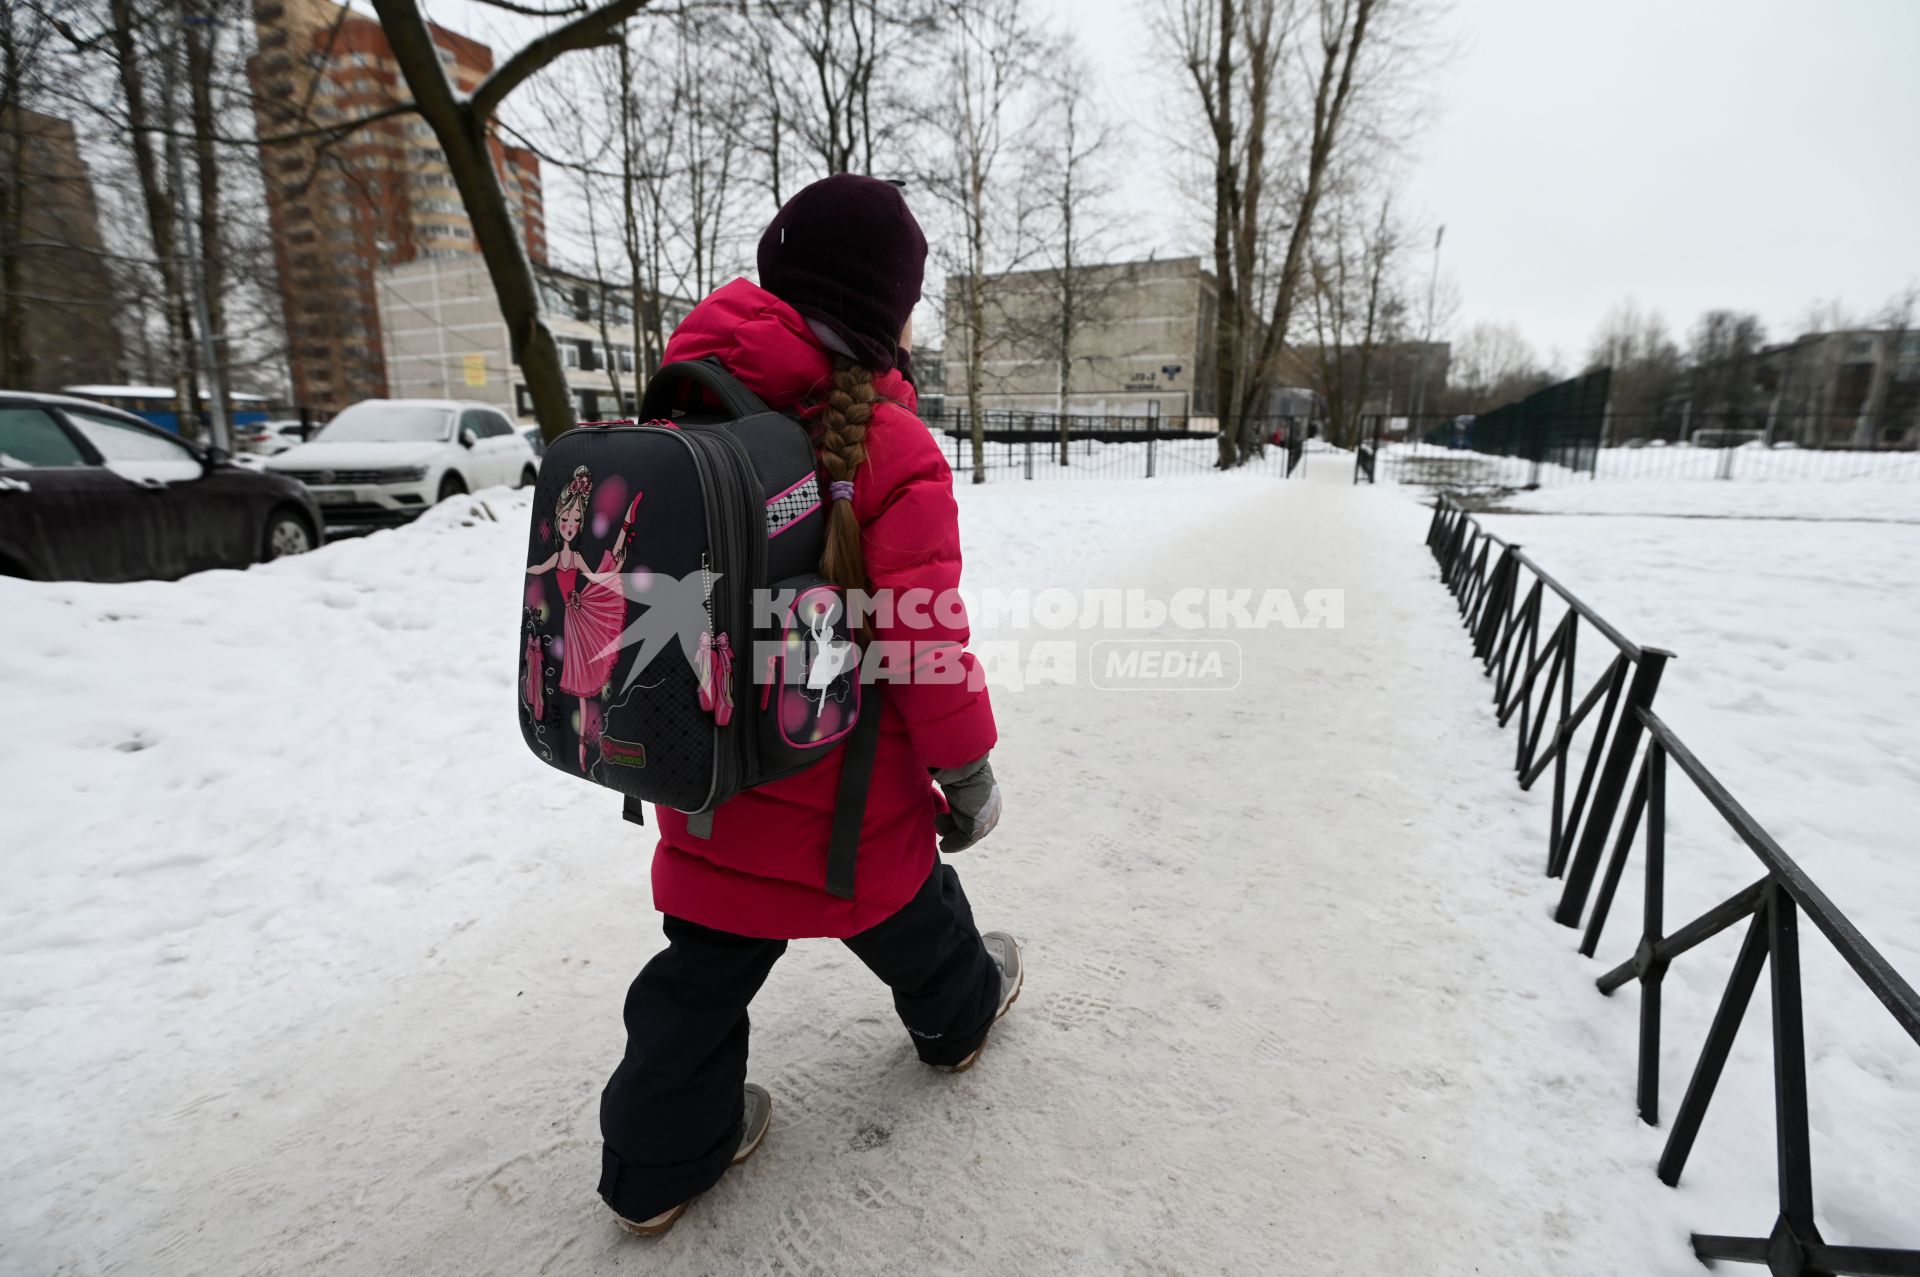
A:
<point x="1032" y="445"/>
<point x="1441" y="452"/>
<point x="1505" y="599"/>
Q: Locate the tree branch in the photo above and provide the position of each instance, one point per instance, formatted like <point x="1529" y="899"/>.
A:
<point x="590" y="30"/>
<point x="532" y="12"/>
<point x="334" y="132"/>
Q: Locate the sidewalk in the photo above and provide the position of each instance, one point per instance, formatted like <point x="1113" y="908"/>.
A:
<point x="1293" y="1001"/>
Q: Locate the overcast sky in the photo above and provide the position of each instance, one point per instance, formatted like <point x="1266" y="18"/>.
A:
<point x="1754" y="154"/>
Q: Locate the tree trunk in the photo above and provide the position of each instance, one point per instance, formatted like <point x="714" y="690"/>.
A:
<point x="16" y="364"/>
<point x="158" y="203"/>
<point x="1067" y="284"/>
<point x="1226" y="334"/>
<point x="644" y="362"/>
<point x="1330" y="100"/>
<point x="462" y="133"/>
<point x="213" y="259"/>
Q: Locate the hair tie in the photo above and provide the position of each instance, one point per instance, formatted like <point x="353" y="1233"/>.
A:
<point x="841" y="489"/>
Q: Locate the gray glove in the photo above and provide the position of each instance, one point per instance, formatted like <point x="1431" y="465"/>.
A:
<point x="973" y="801"/>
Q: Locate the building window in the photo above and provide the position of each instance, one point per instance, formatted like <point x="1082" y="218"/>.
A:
<point x="522" y="401"/>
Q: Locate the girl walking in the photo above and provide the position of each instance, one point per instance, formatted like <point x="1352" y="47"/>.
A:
<point x="826" y="334"/>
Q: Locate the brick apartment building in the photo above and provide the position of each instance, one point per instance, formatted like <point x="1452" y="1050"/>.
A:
<point x="63" y="318"/>
<point x="378" y="196"/>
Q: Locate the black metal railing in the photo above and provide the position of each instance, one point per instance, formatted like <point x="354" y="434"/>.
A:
<point x="1037" y="445"/>
<point x="1501" y="595"/>
<point x="1440" y="452"/>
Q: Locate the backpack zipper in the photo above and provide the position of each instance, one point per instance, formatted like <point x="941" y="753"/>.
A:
<point x="745" y="542"/>
<point x="724" y="778"/>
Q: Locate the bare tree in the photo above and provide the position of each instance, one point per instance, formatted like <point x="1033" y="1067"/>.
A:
<point x="1276" y="82"/>
<point x="1494" y="364"/>
<point x="21" y="42"/>
<point x="832" y="72"/>
<point x="990" y="54"/>
<point x="1076" y="143"/>
<point x="460" y="123"/>
<point x="1896" y="391"/>
<point x="145" y="121"/>
<point x="1354" y="309"/>
<point x="1646" y="366"/>
<point x="1340" y="31"/>
<point x="1230" y="54"/>
<point x="1723" y="353"/>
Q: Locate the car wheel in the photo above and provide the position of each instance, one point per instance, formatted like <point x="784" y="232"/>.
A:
<point x="451" y="486"/>
<point x="287" y="533"/>
<point x="529" y="476"/>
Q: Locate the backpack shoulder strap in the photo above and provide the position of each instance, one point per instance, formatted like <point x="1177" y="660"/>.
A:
<point x="666" y="389"/>
<point x="850" y="805"/>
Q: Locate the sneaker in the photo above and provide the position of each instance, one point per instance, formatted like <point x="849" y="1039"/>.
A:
<point x="1005" y="952"/>
<point x="753" y="1133"/>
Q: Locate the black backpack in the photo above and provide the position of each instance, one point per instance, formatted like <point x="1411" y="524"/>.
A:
<point x="678" y="642"/>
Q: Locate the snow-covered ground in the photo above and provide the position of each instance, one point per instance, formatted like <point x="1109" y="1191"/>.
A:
<point x="1794" y="610"/>
<point x="1656" y="467"/>
<point x="1798" y="638"/>
<point x="309" y="967"/>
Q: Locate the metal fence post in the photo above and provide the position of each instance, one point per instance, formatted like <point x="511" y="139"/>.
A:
<point x="1612" y="785"/>
<point x="1029" y="453"/>
<point x="1150" y="455"/>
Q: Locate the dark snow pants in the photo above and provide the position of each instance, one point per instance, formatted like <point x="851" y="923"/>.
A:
<point x="670" y="1115"/>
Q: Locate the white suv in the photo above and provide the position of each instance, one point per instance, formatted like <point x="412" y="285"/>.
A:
<point x="386" y="460"/>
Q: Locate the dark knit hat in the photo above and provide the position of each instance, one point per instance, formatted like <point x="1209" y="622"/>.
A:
<point x="847" y="252"/>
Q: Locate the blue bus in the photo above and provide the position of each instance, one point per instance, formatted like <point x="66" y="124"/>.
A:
<point x="155" y="404"/>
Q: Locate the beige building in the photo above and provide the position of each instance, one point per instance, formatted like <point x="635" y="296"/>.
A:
<point x="1142" y="344"/>
<point x="444" y="338"/>
<point x="1854" y="389"/>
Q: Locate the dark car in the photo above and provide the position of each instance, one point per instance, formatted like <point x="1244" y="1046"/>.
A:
<point x="91" y="493"/>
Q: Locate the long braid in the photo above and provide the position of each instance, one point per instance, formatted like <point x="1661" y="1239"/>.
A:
<point x="843" y="448"/>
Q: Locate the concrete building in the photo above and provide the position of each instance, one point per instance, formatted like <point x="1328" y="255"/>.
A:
<point x="58" y="328"/>
<point x="930" y="381"/>
<point x="443" y="337"/>
<point x="1856" y="389"/>
<point x="1142" y="346"/>
<point x="343" y="208"/>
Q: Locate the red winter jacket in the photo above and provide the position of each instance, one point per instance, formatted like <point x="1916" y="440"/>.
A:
<point x="763" y="870"/>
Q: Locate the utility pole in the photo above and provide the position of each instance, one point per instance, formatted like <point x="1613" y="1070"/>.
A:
<point x="1426" y="337"/>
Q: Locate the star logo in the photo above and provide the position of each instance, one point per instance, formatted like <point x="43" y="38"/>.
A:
<point x="673" y="609"/>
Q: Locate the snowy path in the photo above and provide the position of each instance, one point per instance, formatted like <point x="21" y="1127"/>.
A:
<point x="1293" y="1001"/>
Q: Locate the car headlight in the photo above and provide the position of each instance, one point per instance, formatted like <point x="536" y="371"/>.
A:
<point x="404" y="474"/>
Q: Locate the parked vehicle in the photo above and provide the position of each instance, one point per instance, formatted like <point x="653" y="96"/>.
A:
<point x="383" y="461"/>
<point x="270" y="438"/>
<point x="90" y="493"/>
<point x="536" y="441"/>
<point x="155" y="405"/>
